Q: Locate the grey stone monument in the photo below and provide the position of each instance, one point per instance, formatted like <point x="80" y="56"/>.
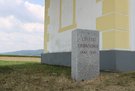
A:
<point x="85" y="54"/>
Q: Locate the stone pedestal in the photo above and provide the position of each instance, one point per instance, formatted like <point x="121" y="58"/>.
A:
<point x="85" y="54"/>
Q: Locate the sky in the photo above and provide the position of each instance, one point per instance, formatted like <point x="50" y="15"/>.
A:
<point x="21" y="25"/>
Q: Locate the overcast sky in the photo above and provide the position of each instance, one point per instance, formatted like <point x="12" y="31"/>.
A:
<point x="21" y="25"/>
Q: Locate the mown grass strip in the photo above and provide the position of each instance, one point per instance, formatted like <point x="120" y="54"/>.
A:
<point x="2" y="55"/>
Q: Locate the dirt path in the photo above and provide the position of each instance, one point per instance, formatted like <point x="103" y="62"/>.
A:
<point x="34" y="59"/>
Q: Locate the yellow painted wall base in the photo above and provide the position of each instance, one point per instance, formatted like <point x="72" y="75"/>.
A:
<point x="116" y="39"/>
<point x="114" y="24"/>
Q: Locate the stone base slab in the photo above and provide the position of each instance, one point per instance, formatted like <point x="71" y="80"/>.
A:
<point x="115" y="60"/>
<point x="111" y="60"/>
<point x="60" y="58"/>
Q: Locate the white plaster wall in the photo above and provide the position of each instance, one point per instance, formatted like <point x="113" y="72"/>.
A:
<point x="67" y="15"/>
<point x="132" y="24"/>
<point x="58" y="42"/>
<point x="86" y="13"/>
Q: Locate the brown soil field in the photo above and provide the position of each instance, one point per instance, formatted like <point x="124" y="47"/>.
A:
<point x="29" y="59"/>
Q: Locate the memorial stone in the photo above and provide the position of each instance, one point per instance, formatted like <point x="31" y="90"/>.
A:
<point x="85" y="54"/>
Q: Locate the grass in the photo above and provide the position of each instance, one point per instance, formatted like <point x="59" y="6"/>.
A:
<point x="33" y="76"/>
<point x="3" y="55"/>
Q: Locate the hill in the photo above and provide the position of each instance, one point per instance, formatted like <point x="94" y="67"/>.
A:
<point x="25" y="53"/>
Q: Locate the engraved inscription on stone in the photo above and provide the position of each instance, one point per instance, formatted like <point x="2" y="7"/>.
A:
<point x="85" y="54"/>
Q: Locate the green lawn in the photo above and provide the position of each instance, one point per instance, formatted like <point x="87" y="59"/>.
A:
<point x="30" y="76"/>
<point x="2" y="55"/>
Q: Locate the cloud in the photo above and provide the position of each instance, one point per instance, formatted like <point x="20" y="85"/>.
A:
<point x="23" y="10"/>
<point x="21" y="25"/>
<point x="20" y="41"/>
<point x="18" y="2"/>
<point x="36" y="10"/>
<point x="9" y="23"/>
<point x="6" y="22"/>
<point x="33" y="27"/>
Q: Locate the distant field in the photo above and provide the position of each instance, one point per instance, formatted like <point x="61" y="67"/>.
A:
<point x="20" y="58"/>
<point x="33" y="76"/>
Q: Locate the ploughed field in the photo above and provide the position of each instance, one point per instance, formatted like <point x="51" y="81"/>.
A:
<point x="31" y="75"/>
<point x="20" y="58"/>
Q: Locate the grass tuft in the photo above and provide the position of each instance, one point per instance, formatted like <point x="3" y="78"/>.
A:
<point x="33" y="76"/>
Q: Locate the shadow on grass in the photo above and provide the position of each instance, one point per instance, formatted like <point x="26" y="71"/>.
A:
<point x="17" y="76"/>
<point x="33" y="68"/>
<point x="25" y="76"/>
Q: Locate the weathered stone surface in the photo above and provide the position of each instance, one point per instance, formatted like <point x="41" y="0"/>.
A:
<point x="85" y="54"/>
